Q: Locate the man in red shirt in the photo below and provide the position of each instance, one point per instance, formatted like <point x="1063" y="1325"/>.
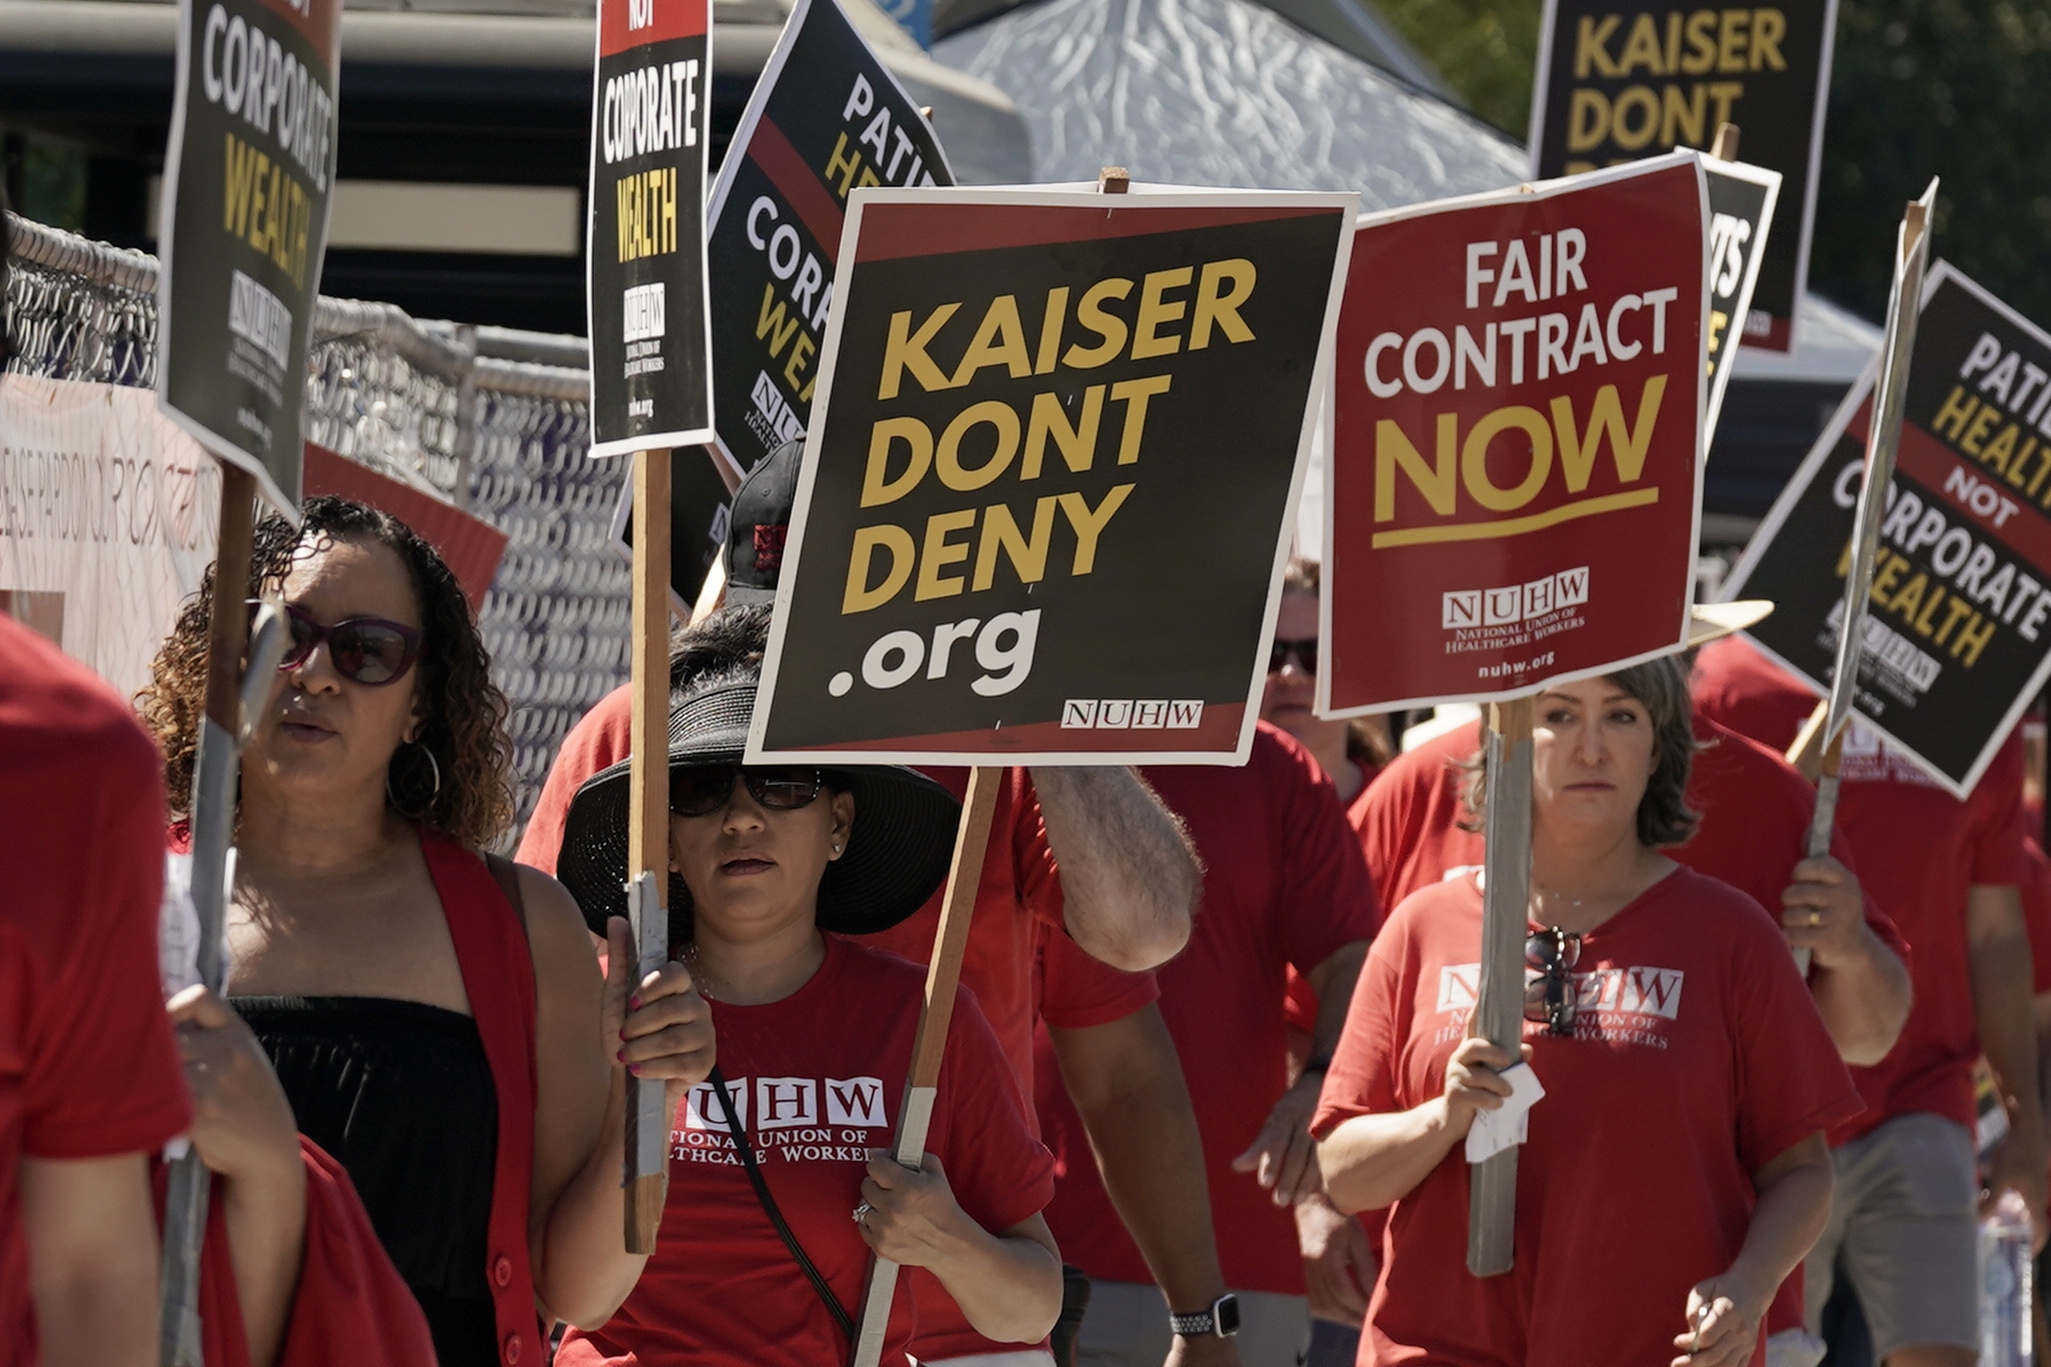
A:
<point x="1283" y="886"/>
<point x="1118" y="892"/>
<point x="90" y="1082"/>
<point x="1902" y="1224"/>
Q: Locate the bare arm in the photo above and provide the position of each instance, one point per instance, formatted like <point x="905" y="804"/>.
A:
<point x="1283" y="1156"/>
<point x="1794" y="1203"/>
<point x="1860" y="985"/>
<point x="1008" y="1285"/>
<point x="92" y="1260"/>
<point x="1127" y="1084"/>
<point x="244" y="1130"/>
<point x="1129" y="876"/>
<point x="577" y="1214"/>
<point x="1372" y="1161"/>
<point x="1999" y="950"/>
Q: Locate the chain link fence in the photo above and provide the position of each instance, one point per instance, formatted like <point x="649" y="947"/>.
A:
<point x="494" y="420"/>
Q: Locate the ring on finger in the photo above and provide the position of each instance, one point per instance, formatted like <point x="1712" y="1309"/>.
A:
<point x="862" y="1212"/>
<point x="1815" y="918"/>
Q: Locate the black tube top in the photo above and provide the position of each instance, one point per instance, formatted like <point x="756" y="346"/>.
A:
<point x="400" y="1093"/>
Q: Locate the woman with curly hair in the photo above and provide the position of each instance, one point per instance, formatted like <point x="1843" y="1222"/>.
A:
<point x="1674" y="1171"/>
<point x="436" y="1016"/>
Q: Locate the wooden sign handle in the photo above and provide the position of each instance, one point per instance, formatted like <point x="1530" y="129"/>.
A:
<point x="929" y="1046"/>
<point x="1725" y="147"/>
<point x="647" y="1128"/>
<point x="1499" y="1004"/>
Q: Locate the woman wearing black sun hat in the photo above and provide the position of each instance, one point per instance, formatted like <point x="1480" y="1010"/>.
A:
<point x="814" y="1037"/>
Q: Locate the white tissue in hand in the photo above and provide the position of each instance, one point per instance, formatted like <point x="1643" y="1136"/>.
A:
<point x="1509" y="1124"/>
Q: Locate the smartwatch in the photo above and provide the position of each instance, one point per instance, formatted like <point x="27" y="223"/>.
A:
<point x="1219" y="1319"/>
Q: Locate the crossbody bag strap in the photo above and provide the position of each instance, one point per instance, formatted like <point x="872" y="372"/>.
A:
<point x="762" y="1194"/>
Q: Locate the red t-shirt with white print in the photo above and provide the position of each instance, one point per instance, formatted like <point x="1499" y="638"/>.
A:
<point x="1698" y="1057"/>
<point x="818" y="1081"/>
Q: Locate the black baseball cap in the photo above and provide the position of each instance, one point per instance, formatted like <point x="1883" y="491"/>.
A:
<point x="759" y="523"/>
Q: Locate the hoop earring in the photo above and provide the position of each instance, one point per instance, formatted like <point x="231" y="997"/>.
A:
<point x="435" y="766"/>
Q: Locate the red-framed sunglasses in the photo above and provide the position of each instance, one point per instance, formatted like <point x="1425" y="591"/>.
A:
<point x="366" y="650"/>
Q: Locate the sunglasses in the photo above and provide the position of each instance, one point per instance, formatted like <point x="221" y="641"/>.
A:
<point x="364" y="650"/>
<point x="1304" y="651"/>
<point x="704" y="789"/>
<point x="1550" y="997"/>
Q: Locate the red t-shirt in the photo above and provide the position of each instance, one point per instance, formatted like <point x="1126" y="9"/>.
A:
<point x="1283" y="884"/>
<point x="88" y="1068"/>
<point x="601" y="738"/>
<point x="816" y="1094"/>
<point x="1699" y="1057"/>
<point x="1922" y="849"/>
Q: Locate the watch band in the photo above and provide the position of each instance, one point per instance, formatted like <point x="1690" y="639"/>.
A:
<point x="1219" y="1319"/>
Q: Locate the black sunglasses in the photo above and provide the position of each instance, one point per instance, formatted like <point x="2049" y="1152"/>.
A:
<point x="703" y="789"/>
<point x="366" y="650"/>
<point x="1550" y="997"/>
<point x="1304" y="650"/>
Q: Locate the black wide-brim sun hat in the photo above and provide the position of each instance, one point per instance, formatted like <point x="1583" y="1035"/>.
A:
<point x="896" y="857"/>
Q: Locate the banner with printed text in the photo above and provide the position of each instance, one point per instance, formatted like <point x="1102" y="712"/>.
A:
<point x="1051" y="476"/>
<point x="1958" y="636"/>
<point x="651" y="134"/>
<point x="826" y="118"/>
<point x="1624" y="79"/>
<point x="248" y="178"/>
<point x="109" y="515"/>
<point x="1514" y="487"/>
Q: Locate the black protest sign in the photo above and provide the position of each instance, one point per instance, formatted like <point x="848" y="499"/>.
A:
<point x="699" y="502"/>
<point x="247" y="181"/>
<point x="826" y="118"/>
<point x="1958" y="640"/>
<point x="1741" y="204"/>
<point x="1623" y="79"/>
<point x="1052" y="475"/>
<point x="651" y="130"/>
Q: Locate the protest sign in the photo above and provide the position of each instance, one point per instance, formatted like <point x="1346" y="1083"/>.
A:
<point x="826" y="118"/>
<point x="1046" y="493"/>
<point x="1741" y="204"/>
<point x="1618" y="80"/>
<point x="248" y="178"/>
<point x="468" y="545"/>
<point x="699" y="501"/>
<point x="651" y="132"/>
<point x="1514" y="487"/>
<point x="1958" y="635"/>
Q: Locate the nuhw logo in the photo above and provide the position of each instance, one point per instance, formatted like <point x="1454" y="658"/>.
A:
<point x="783" y="1103"/>
<point x="1513" y="603"/>
<point x="1131" y="714"/>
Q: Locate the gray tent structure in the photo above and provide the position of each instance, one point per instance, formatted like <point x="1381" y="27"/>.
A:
<point x="1223" y="92"/>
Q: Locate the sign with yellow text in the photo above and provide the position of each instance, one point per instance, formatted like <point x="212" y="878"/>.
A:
<point x="651" y="131"/>
<point x="1514" y="487"/>
<point x="1958" y="636"/>
<point x="1051" y="475"/>
<point x="247" y="180"/>
<point x="1623" y="79"/>
<point x="825" y="118"/>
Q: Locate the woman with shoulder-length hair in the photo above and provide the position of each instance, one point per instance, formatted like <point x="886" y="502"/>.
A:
<point x="775" y="873"/>
<point x="436" y="1018"/>
<point x="1675" y="1171"/>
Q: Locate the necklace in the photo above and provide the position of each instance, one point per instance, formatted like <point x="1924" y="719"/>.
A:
<point x="700" y="979"/>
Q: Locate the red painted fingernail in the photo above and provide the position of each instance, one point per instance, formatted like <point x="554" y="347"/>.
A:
<point x="633" y="1003"/>
<point x="634" y="1068"/>
<point x="621" y="1056"/>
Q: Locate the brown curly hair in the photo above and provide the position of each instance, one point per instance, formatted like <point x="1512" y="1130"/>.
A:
<point x="464" y="713"/>
<point x="1664" y="818"/>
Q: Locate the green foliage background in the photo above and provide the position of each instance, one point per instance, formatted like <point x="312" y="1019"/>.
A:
<point x="1954" y="88"/>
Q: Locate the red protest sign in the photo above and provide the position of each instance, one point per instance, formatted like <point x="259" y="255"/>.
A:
<point x="1515" y="481"/>
<point x="469" y="545"/>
